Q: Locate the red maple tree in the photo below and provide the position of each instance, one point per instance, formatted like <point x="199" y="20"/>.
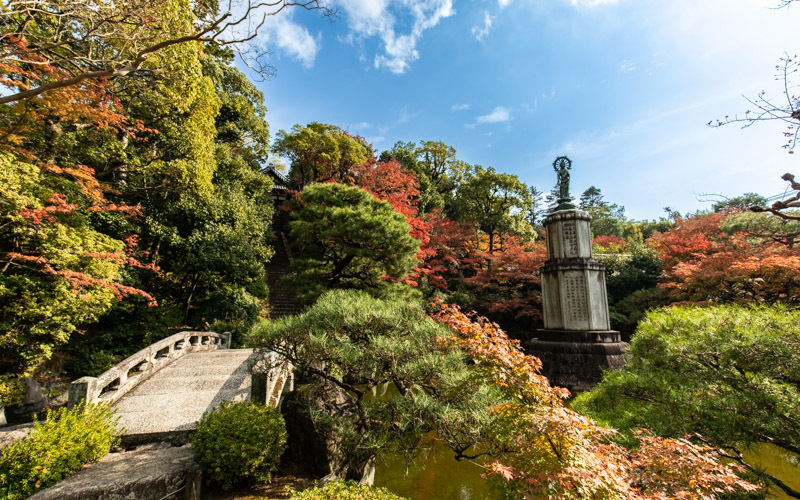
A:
<point x="553" y="452"/>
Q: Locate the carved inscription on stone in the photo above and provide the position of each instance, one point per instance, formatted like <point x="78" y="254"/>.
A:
<point x="575" y="288"/>
<point x="569" y="234"/>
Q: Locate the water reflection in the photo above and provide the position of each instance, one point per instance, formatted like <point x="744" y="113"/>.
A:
<point x="435" y="476"/>
<point x="778" y="462"/>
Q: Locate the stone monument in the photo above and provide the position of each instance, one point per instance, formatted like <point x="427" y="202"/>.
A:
<point x="577" y="340"/>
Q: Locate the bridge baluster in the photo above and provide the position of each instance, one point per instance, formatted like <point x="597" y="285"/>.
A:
<point x="125" y="375"/>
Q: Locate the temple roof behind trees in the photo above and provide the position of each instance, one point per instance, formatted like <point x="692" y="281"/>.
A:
<point x="280" y="182"/>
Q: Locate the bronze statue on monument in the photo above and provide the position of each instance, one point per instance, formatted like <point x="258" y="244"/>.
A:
<point x="562" y="166"/>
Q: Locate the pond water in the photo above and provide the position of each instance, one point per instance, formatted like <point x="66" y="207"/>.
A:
<point x="437" y="475"/>
<point x="778" y="462"/>
<point x="441" y="477"/>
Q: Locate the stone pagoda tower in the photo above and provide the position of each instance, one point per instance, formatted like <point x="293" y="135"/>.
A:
<point x="577" y="340"/>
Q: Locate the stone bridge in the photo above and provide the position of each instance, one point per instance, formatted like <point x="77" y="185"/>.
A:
<point x="160" y="392"/>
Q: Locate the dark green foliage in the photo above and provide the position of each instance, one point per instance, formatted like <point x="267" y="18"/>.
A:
<point x="740" y="203"/>
<point x="629" y="274"/>
<point x="382" y="360"/>
<point x="626" y="314"/>
<point x="56" y="449"/>
<point x="89" y="361"/>
<point x="210" y="247"/>
<point x="239" y="442"/>
<point x="345" y="238"/>
<point x="345" y="490"/>
<point x="729" y="373"/>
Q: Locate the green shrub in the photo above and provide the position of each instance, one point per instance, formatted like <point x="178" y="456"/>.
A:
<point x="56" y="449"/>
<point x="348" y="490"/>
<point x="730" y="373"/>
<point x="12" y="390"/>
<point x="239" y="442"/>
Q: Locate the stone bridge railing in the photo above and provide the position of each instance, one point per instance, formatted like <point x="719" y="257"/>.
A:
<point x="121" y="378"/>
<point x="272" y="378"/>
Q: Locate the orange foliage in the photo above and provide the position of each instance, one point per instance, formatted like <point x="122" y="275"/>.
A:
<point x="509" y="281"/>
<point x="609" y="244"/>
<point x="702" y="263"/>
<point x="391" y="182"/>
<point x="82" y="282"/>
<point x="553" y="452"/>
<point x="451" y="250"/>
<point x="90" y="105"/>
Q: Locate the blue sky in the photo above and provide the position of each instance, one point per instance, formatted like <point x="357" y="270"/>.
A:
<point x="624" y="87"/>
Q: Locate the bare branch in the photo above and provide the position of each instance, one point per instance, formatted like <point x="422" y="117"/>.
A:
<point x="784" y="3"/>
<point x="786" y="109"/>
<point x="780" y="205"/>
<point x="73" y="41"/>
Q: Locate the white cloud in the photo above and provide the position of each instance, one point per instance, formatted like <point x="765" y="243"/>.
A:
<point x="479" y="32"/>
<point x="498" y="115"/>
<point x="591" y="3"/>
<point x="503" y="3"/>
<point x="291" y="38"/>
<point x="459" y="107"/>
<point x="627" y="66"/>
<point x="398" y="35"/>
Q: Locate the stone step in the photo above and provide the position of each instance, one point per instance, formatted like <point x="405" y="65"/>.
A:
<point x="282" y="298"/>
<point x="143" y="474"/>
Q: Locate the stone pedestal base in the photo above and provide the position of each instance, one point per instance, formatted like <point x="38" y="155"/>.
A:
<point x="574" y="359"/>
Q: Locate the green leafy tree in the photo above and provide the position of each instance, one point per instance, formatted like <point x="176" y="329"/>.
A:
<point x="591" y="198"/>
<point x="61" y="266"/>
<point x="728" y="373"/>
<point x="438" y="162"/>
<point x="739" y="203"/>
<point x="210" y="244"/>
<point x="606" y="219"/>
<point x="320" y="152"/>
<point x="378" y="377"/>
<point x="437" y="168"/>
<point x="537" y="210"/>
<point x="497" y="202"/>
<point x="345" y="238"/>
<point x="83" y="41"/>
<point x="639" y="231"/>
<point x="57" y="271"/>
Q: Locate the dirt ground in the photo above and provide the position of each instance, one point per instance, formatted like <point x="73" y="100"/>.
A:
<point x="289" y="477"/>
